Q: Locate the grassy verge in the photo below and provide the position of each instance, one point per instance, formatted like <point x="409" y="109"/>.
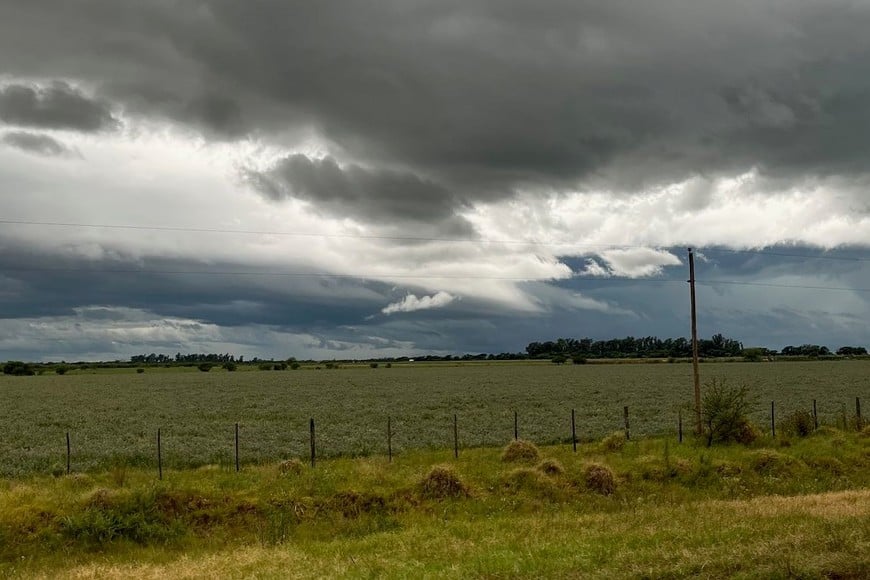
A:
<point x="669" y="511"/>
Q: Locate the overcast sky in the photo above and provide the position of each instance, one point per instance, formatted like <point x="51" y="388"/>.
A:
<point x="359" y="179"/>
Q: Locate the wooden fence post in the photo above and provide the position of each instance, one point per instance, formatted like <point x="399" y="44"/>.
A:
<point x="313" y="448"/>
<point x="625" y="417"/>
<point x="815" y="415"/>
<point x="67" y="453"/>
<point x="455" y="437"/>
<point x="573" y="432"/>
<point x="772" y="420"/>
<point x="680" y="426"/>
<point x="159" y="457"/>
<point x="237" y="447"/>
<point x="859" y="423"/>
<point x="389" y="440"/>
<point x="516" y="426"/>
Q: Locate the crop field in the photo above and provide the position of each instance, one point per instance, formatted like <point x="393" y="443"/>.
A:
<point x="113" y="417"/>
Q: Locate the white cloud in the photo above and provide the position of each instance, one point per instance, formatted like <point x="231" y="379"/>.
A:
<point x="411" y="303"/>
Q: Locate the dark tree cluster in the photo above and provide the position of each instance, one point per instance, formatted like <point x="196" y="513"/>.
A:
<point x="631" y="347"/>
<point x="185" y="358"/>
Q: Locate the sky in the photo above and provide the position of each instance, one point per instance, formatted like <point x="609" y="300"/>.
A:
<point x="360" y="179"/>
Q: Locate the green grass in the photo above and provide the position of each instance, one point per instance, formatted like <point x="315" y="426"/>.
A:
<point x="113" y="416"/>
<point x="677" y="511"/>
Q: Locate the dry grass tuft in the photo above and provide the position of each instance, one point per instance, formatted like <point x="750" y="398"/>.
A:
<point x="290" y="467"/>
<point x="352" y="504"/>
<point x="599" y="478"/>
<point x="442" y="482"/>
<point x="520" y="450"/>
<point x="551" y="467"/>
<point x="830" y="465"/>
<point x="865" y="432"/>
<point x="614" y="442"/>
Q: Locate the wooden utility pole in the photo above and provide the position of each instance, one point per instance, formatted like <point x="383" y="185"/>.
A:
<point x="695" y="372"/>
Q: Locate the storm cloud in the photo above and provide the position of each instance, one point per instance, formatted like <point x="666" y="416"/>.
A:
<point x="36" y="143"/>
<point x="55" y="106"/>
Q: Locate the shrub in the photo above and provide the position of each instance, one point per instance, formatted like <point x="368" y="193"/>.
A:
<point x="599" y="478"/>
<point x="723" y="413"/>
<point x="520" y="450"/>
<point x="532" y="482"/>
<point x="229" y="366"/>
<point x="799" y="424"/>
<point x="389" y="365"/>
<point x="61" y="370"/>
<point x="294" y="366"/>
<point x="442" y="482"/>
<point x="204" y="367"/>
<point x="559" y="359"/>
<point x="265" y="367"/>
<point x="140" y="371"/>
<point x="373" y="365"/>
<point x="578" y="360"/>
<point x="614" y="442"/>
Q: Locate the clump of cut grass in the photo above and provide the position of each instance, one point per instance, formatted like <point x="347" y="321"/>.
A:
<point x="290" y="467"/>
<point x="599" y="479"/>
<point x="352" y="504"/>
<point x="520" y="450"/>
<point x="532" y="482"/>
<point x="442" y="482"/>
<point x="826" y="431"/>
<point x="865" y="432"/>
<point x="773" y="463"/>
<point x="727" y="468"/>
<point x="551" y="467"/>
<point x="828" y="464"/>
<point x="614" y="442"/>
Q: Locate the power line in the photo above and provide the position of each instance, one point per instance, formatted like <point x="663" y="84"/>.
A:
<point x="770" y="285"/>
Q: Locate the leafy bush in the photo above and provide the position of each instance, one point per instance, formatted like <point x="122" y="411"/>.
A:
<point x="578" y="360"/>
<point x="373" y="365"/>
<point x="521" y="450"/>
<point x="724" y="411"/>
<point x="265" y="367"/>
<point x="204" y="367"/>
<point x="294" y="366"/>
<point x="290" y="467"/>
<point x="61" y="370"/>
<point x="230" y="366"/>
<point x="140" y="370"/>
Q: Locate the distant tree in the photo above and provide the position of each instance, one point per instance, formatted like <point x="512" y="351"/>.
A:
<point x="204" y="367"/>
<point x="851" y="351"/>
<point x="229" y="366"/>
<point x="559" y="359"/>
<point x="18" y="368"/>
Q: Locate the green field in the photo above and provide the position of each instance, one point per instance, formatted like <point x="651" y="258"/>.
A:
<point x="112" y="417"/>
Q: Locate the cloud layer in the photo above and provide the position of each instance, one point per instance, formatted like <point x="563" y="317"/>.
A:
<point x="485" y="168"/>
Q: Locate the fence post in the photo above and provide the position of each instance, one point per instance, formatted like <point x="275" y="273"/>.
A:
<point x="516" y="426"/>
<point x="455" y="437"/>
<point x="573" y="432"/>
<point x="772" y="420"/>
<point x="815" y="415"/>
<point x="237" y="447"/>
<point x="625" y="417"/>
<point x="389" y="440"/>
<point x="313" y="448"/>
<point x="159" y="457"/>
<point x="859" y="423"/>
<point x="680" y="426"/>
<point x="67" y="452"/>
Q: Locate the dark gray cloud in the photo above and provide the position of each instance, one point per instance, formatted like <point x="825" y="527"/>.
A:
<point x="56" y="106"/>
<point x="377" y="196"/>
<point x="38" y="143"/>
<point x="487" y="96"/>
